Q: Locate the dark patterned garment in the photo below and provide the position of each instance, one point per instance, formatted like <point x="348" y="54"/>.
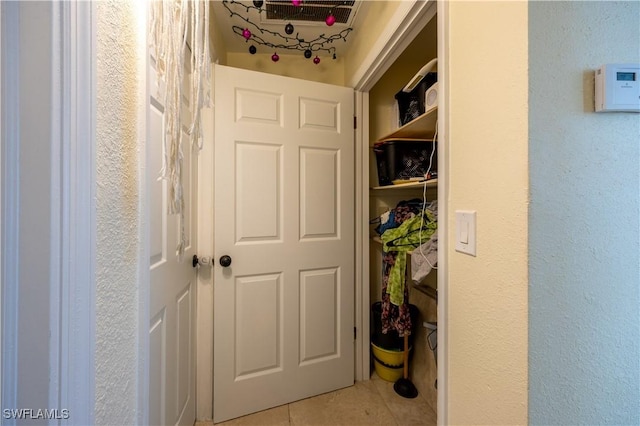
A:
<point x="394" y="317"/>
<point x="397" y="317"/>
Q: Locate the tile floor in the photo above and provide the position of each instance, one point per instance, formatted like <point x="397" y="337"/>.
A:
<point x="366" y="403"/>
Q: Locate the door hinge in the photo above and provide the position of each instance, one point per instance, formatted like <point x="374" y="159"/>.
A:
<point x="355" y="122"/>
<point x="355" y="333"/>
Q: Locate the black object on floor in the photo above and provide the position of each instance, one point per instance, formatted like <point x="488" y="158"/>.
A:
<point x="404" y="387"/>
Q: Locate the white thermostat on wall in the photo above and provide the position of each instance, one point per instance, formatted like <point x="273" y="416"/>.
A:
<point x="618" y="88"/>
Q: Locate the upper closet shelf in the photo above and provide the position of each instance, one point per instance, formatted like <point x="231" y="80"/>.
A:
<point x="410" y="185"/>
<point x="423" y="127"/>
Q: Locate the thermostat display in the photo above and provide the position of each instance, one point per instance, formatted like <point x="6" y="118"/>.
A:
<point x="626" y="76"/>
<point x="617" y="88"/>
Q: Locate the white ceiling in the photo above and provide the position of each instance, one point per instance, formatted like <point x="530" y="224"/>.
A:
<point x="304" y="30"/>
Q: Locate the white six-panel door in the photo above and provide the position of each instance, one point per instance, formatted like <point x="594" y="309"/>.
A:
<point x="172" y="285"/>
<point x="284" y="213"/>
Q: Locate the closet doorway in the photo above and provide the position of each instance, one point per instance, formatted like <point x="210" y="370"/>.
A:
<point x="429" y="17"/>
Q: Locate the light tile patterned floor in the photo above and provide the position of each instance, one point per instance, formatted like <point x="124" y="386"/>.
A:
<point x="373" y="402"/>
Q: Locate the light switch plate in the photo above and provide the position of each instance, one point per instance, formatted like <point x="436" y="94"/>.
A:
<point x="466" y="231"/>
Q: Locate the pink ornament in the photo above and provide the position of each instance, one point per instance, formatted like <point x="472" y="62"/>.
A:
<point x="296" y="3"/>
<point x="246" y="33"/>
<point x="275" y="57"/>
<point x="316" y="60"/>
<point x="330" y="20"/>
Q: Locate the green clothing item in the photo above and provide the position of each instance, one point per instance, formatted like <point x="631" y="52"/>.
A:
<point x="404" y="239"/>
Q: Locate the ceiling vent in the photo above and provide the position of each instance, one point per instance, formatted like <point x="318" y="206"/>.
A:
<point x="310" y="11"/>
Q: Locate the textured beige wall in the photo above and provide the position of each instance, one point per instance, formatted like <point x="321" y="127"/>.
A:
<point x="327" y="71"/>
<point x="488" y="140"/>
<point x="118" y="245"/>
<point x="218" y="49"/>
<point x="372" y="19"/>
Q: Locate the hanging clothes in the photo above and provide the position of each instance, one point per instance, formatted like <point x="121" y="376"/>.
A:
<point x="397" y="316"/>
<point x="404" y="239"/>
<point x="393" y="218"/>
<point x="394" y="317"/>
<point x="425" y="257"/>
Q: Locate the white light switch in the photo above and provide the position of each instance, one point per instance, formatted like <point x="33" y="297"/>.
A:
<point x="466" y="231"/>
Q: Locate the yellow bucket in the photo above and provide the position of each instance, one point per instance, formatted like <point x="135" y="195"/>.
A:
<point x="388" y="364"/>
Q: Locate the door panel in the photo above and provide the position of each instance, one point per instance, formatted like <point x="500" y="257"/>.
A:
<point x="319" y="193"/>
<point x="158" y="201"/>
<point x="284" y="182"/>
<point x="258" y="195"/>
<point x="258" y="106"/>
<point x="184" y="313"/>
<point x="258" y="342"/>
<point x="157" y="362"/>
<point x="319" y="308"/>
<point x="189" y="180"/>
<point x="319" y="114"/>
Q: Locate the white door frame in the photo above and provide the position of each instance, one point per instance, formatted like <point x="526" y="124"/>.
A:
<point x="9" y="106"/>
<point x="404" y="25"/>
<point x="75" y="313"/>
<point x="443" y="207"/>
<point x="72" y="182"/>
<point x="1" y="192"/>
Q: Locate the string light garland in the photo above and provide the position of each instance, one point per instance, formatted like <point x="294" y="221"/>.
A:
<point x="254" y="33"/>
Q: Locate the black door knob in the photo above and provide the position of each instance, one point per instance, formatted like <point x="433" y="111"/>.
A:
<point x="225" y="261"/>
